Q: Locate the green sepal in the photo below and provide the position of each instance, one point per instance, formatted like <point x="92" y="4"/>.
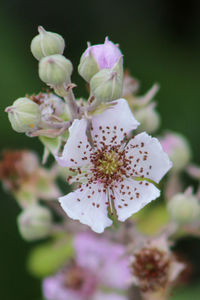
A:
<point x="51" y="145"/>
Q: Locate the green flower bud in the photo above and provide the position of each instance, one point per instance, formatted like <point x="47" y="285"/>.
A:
<point x="88" y="67"/>
<point x="107" y="84"/>
<point x="55" y="69"/>
<point x="34" y="222"/>
<point x="184" y="208"/>
<point x="47" y="43"/>
<point x="24" y="115"/>
<point x="148" y="117"/>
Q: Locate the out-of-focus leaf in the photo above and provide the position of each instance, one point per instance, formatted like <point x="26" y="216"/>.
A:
<point x="151" y="221"/>
<point x="47" y="258"/>
<point x="187" y="293"/>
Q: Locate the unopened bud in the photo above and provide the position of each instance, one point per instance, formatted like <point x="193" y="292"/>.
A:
<point x="99" y="57"/>
<point x="55" y="69"/>
<point x="47" y="43"/>
<point x="107" y="84"/>
<point x="88" y="66"/>
<point x="184" y="208"/>
<point x="34" y="222"/>
<point x="24" y="115"/>
<point x="178" y="149"/>
<point x="148" y="117"/>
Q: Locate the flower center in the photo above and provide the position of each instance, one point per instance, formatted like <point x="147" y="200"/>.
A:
<point x="109" y="163"/>
<point x="151" y="268"/>
<point x="80" y="280"/>
<point x="74" y="278"/>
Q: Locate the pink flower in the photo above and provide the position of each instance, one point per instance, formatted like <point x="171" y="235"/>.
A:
<point x="106" y="55"/>
<point x="98" y="263"/>
<point x="114" y="172"/>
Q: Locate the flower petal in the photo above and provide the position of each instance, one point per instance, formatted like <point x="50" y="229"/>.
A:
<point x="106" y="55"/>
<point x="76" y="150"/>
<point x="106" y="259"/>
<point x="148" y="158"/>
<point x="131" y="196"/>
<point x="116" y="273"/>
<point x="53" y="289"/>
<point x="87" y="205"/>
<point x="109" y="296"/>
<point x="112" y="125"/>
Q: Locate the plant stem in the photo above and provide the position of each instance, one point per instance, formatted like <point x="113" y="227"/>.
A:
<point x="71" y="102"/>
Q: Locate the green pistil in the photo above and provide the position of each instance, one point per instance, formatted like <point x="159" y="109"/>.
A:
<point x="109" y="164"/>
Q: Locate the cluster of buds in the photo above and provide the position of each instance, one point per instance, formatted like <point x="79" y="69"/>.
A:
<point x="114" y="175"/>
<point x="48" y="48"/>
<point x="102" y="66"/>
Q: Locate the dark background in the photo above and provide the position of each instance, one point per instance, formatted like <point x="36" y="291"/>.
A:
<point x="160" y="41"/>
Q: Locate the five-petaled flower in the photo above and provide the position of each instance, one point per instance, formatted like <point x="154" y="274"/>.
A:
<point x="99" y="268"/>
<point x="113" y="173"/>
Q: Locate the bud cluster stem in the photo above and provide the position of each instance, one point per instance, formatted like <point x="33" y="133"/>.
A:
<point x="71" y="102"/>
<point x="159" y="295"/>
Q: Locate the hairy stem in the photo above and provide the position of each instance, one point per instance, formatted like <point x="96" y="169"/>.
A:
<point x="71" y="102"/>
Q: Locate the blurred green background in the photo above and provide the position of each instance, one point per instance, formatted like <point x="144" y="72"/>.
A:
<point x="160" y="41"/>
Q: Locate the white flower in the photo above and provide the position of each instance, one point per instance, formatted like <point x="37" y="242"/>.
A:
<point x="113" y="173"/>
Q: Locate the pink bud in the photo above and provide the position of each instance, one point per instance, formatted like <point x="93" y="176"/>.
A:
<point x="106" y="55"/>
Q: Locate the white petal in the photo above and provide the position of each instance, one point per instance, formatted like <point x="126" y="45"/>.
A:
<point x="149" y="159"/>
<point x="76" y="150"/>
<point x="114" y="122"/>
<point x="87" y="205"/>
<point x="131" y="196"/>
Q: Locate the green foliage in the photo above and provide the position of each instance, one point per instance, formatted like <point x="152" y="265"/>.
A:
<point x="151" y="221"/>
<point x="47" y="258"/>
<point x="187" y="293"/>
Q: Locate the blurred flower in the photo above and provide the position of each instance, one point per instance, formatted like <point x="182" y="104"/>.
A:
<point x="53" y="109"/>
<point x="113" y="174"/>
<point x="178" y="149"/>
<point x="99" y="264"/>
<point x="142" y="106"/>
<point x="173" y="185"/>
<point x="21" y="174"/>
<point x="98" y="57"/>
<point x="16" y="166"/>
<point x="130" y="85"/>
<point x="154" y="268"/>
<point x="148" y="117"/>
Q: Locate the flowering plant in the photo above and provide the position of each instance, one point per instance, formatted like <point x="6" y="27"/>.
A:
<point x="113" y="168"/>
